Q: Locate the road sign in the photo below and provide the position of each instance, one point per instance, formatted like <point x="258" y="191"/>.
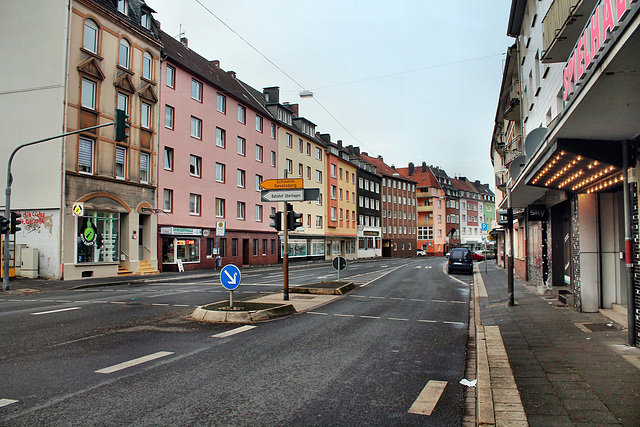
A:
<point x="339" y="263"/>
<point x="78" y="209"/>
<point x="221" y="228"/>
<point x="230" y="277"/>
<point x="282" y="184"/>
<point x="484" y="226"/>
<point x="295" y="195"/>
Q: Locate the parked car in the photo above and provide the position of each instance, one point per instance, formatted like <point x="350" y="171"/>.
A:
<point x="460" y="259"/>
<point x="421" y="253"/>
<point x="478" y="255"/>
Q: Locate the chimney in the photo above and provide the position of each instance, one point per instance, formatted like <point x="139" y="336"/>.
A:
<point x="364" y="153"/>
<point x="215" y="63"/>
<point x="340" y="143"/>
<point x="232" y="74"/>
<point x="272" y="94"/>
<point x="184" y="41"/>
<point x="424" y="167"/>
<point x="393" y="167"/>
<point x="411" y="168"/>
<point x="380" y="158"/>
<point x="296" y="109"/>
<point x="326" y="137"/>
<point x="356" y="150"/>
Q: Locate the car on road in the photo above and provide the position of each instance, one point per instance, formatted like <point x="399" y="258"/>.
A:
<point x="460" y="259"/>
<point x="478" y="255"/>
<point x="421" y="253"/>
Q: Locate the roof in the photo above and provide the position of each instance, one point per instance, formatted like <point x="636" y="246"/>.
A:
<point x="210" y="72"/>
<point x="515" y="17"/>
<point x="383" y="168"/>
<point x="424" y="179"/>
<point x="463" y="185"/>
<point x="136" y="8"/>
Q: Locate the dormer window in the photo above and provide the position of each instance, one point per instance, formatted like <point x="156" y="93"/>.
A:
<point x="122" y="6"/>
<point x="145" y="20"/>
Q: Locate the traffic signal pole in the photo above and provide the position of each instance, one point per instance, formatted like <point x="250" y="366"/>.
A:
<point x="285" y="255"/>
<point x="7" y="206"/>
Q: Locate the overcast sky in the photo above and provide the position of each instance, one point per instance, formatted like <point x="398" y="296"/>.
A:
<point x="410" y="80"/>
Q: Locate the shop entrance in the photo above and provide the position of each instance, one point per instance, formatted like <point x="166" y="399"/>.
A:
<point x="613" y="274"/>
<point x="245" y="252"/>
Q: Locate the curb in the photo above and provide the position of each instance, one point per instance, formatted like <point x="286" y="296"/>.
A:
<point x="342" y="290"/>
<point x="214" y="316"/>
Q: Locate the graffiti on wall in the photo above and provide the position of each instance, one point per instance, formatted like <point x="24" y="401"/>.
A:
<point x="36" y="221"/>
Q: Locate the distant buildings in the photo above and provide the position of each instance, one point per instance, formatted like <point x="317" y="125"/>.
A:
<point x="182" y="191"/>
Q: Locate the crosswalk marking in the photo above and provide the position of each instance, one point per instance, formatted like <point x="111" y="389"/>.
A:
<point x="133" y="362"/>
<point x="428" y="398"/>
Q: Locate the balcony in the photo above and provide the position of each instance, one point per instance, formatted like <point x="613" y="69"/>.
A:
<point x="510" y="102"/>
<point x="425" y="223"/>
<point x="563" y="25"/>
<point x="425" y="208"/>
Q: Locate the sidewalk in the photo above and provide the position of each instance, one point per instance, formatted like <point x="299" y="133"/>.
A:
<point x="561" y="367"/>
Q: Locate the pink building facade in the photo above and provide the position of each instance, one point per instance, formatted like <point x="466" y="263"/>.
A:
<point x="217" y="144"/>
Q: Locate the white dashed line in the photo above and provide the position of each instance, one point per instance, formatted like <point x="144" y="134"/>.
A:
<point x="315" y="312"/>
<point x="437" y="300"/>
<point x="397" y="299"/>
<point x="56" y="311"/>
<point x="344" y="315"/>
<point x="118" y="302"/>
<point x="458" y="302"/>
<point x="133" y="362"/>
<point x="370" y="317"/>
<point x="162" y="305"/>
<point x="376" y="297"/>
<point x="452" y="323"/>
<point x="427" y="321"/>
<point x="358" y="296"/>
<point x="180" y="305"/>
<point x="233" y="331"/>
<point x="6" y="402"/>
<point x="395" y="318"/>
<point x="418" y="300"/>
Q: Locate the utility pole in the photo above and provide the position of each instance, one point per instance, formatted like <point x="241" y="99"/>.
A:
<point x="510" y="266"/>
<point x="285" y="255"/>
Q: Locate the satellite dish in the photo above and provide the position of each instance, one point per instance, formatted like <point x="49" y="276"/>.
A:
<point x="516" y="166"/>
<point x="533" y="140"/>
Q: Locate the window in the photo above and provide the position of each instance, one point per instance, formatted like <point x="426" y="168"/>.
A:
<point x="196" y="127"/>
<point x="90" y="41"/>
<point x="318" y="176"/>
<point x="308" y="148"/>
<point x="167" y="200"/>
<point x="273" y="159"/>
<point x="220" y="137"/>
<point x="122" y="6"/>
<point x="123" y="59"/>
<point x="121" y="160"/>
<point x="300" y="170"/>
<point x="147" y="64"/>
<point x="221" y="103"/>
<point x="195" y="165"/>
<point x="318" y="221"/>
<point x="333" y="214"/>
<point x="89" y="93"/>
<point x="98" y="225"/>
<point x="333" y="171"/>
<point x="168" y="116"/>
<point x="171" y="76"/>
<point x="258" y="213"/>
<point x="194" y="204"/>
<point x="145" y="20"/>
<point x="234" y="247"/>
<point x="289" y="140"/>
<point x="289" y="165"/>
<point x="145" y="117"/>
<point x="264" y="246"/>
<point x="259" y="123"/>
<point x="85" y="155"/>
<point x="168" y="158"/>
<point x="219" y="208"/>
<point x="123" y="102"/>
<point x="196" y="90"/>
<point x="318" y="154"/>
<point x="308" y="172"/>
<point x="240" y="178"/>
<point x="333" y="192"/>
<point x="255" y="247"/>
<point x="300" y="146"/>
<point x="258" y="182"/>
<point x="240" y="209"/>
<point x="144" y="168"/>
<point x="242" y="143"/>
<point x="242" y="114"/>
<point x="259" y="153"/>
<point x="273" y="131"/>
<point x="219" y="172"/>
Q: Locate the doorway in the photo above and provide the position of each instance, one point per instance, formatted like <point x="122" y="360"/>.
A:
<point x="245" y="252"/>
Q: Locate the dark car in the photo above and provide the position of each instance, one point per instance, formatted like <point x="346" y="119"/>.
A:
<point x="460" y="259"/>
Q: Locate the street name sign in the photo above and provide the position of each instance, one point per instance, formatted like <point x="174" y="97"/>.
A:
<point x="295" y="195"/>
<point x="230" y="277"/>
<point x="282" y="184"/>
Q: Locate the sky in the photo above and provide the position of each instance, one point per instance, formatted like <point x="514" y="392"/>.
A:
<point x="409" y="80"/>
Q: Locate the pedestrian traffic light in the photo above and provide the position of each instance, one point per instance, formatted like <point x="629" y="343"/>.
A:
<point x="294" y="220"/>
<point x="121" y="126"/>
<point x="277" y="220"/>
<point x="15" y="222"/>
<point x="5" y="225"/>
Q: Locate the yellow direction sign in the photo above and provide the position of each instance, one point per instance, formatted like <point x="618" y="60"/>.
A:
<point x="282" y="184"/>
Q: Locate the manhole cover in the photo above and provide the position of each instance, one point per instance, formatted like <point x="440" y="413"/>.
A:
<point x="600" y="327"/>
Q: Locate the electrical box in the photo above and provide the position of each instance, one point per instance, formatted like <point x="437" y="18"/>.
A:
<point x="29" y="264"/>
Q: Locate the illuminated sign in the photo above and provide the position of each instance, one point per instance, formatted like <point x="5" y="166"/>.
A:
<point x="608" y="20"/>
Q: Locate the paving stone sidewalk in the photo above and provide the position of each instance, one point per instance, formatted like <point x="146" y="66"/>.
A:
<point x="570" y="368"/>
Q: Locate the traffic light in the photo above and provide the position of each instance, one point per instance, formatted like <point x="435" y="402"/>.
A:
<point x="15" y="222"/>
<point x="277" y="220"/>
<point x="121" y="126"/>
<point x="294" y="220"/>
<point x="4" y="225"/>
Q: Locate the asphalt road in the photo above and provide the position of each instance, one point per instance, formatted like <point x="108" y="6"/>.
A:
<point x="129" y="355"/>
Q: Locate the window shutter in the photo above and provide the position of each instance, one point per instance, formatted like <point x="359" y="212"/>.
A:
<point x="120" y="155"/>
<point x="144" y="162"/>
<point x="85" y="154"/>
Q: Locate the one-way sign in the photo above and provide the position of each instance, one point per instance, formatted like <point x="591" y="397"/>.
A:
<point x="296" y="195"/>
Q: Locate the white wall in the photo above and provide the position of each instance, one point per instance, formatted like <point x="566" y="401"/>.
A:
<point x="40" y="229"/>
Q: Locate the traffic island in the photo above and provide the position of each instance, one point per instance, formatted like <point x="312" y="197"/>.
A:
<point x="241" y="312"/>
<point x="324" y="288"/>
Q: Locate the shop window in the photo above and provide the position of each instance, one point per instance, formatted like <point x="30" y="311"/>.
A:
<point x="98" y="237"/>
<point x="186" y="249"/>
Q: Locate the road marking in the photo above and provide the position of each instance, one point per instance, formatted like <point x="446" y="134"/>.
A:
<point x="163" y="305"/>
<point x="397" y="299"/>
<point x="180" y="305"/>
<point x="344" y="315"/>
<point x="133" y="362"/>
<point x="452" y="323"/>
<point x="418" y="300"/>
<point x="395" y="318"/>
<point x="358" y="296"/>
<point x="376" y="297"/>
<point x="418" y="266"/>
<point x="56" y="311"/>
<point x="62" y="300"/>
<point x="101" y="302"/>
<point x="428" y="321"/>
<point x="233" y="331"/>
<point x="7" y="402"/>
<point x="370" y="317"/>
<point x="458" y="302"/>
<point x="428" y="398"/>
<point x="437" y="300"/>
<point x="118" y="302"/>
<point x="315" y="312"/>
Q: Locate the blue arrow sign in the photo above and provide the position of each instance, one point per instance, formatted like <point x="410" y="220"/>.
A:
<point x="230" y="277"/>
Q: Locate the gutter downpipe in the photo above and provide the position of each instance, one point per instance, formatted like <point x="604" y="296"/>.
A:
<point x="628" y="246"/>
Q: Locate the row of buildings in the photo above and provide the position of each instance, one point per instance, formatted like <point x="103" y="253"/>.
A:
<point x="182" y="191"/>
<point x="565" y="151"/>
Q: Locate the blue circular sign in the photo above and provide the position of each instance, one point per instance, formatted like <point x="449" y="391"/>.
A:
<point x="230" y="277"/>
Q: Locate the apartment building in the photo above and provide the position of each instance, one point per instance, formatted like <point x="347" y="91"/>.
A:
<point x="218" y="143"/>
<point x="301" y="155"/>
<point x="452" y="208"/>
<point x="99" y="55"/>
<point x="341" y="207"/>
<point x="578" y="150"/>
<point x="471" y="213"/>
